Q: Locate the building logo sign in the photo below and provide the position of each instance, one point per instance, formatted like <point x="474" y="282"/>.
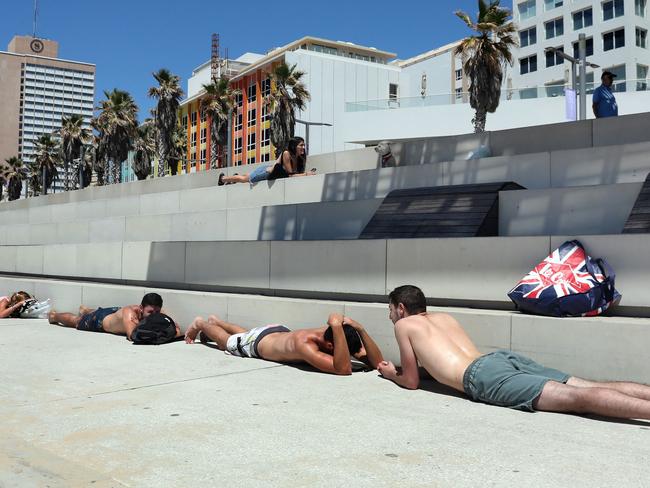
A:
<point x="36" y="45"/>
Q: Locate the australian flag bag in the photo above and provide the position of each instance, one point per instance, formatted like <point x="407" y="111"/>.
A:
<point x="568" y="283"/>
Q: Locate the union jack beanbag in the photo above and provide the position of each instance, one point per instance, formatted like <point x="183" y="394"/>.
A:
<point x="568" y="283"/>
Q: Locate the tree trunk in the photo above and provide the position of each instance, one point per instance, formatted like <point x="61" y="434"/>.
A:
<point x="479" y="121"/>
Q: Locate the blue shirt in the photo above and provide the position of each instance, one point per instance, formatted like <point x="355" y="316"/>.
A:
<point x="605" y="102"/>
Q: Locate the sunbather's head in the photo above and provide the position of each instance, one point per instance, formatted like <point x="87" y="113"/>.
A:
<point x="19" y="296"/>
<point x="404" y="301"/>
<point x="351" y="336"/>
<point x="151" y="303"/>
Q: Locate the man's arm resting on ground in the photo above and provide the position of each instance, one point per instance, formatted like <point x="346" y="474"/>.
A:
<point x="8" y="311"/>
<point x="373" y="353"/>
<point x="409" y="376"/>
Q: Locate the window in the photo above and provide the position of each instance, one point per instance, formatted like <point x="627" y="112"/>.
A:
<point x="193" y="139"/>
<point x="266" y="87"/>
<point x="555" y="88"/>
<point x="239" y="121"/>
<point x="551" y="4"/>
<point x="459" y="93"/>
<point x="203" y="155"/>
<point x="583" y="19"/>
<point x="639" y="7"/>
<point x="554" y="28"/>
<point x="392" y="91"/>
<point x="526" y="9"/>
<point x="613" y="8"/>
<point x="252" y="117"/>
<point x="459" y="74"/>
<point x="589" y="48"/>
<point x="641" y="75"/>
<point x="641" y="36"/>
<point x="184" y="121"/>
<point x="553" y="58"/>
<point x="252" y="93"/>
<point x="614" y="40"/>
<point x="238" y="145"/>
<point x="528" y="65"/>
<point x="250" y="142"/>
<point x="266" y="138"/>
<point x="265" y="157"/>
<point x="204" y="116"/>
<point x="528" y="37"/>
<point x="204" y="134"/>
<point x="193" y="119"/>
<point x="265" y="113"/>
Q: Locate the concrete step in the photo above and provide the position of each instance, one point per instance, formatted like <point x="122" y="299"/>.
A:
<point x="476" y="272"/>
<point x="604" y="348"/>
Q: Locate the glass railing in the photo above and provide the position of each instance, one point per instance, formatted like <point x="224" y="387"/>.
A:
<point x="543" y="91"/>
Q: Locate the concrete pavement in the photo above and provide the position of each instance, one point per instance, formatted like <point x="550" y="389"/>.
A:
<point x="85" y="409"/>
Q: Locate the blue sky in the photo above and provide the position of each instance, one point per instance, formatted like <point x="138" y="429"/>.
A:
<point x="128" y="40"/>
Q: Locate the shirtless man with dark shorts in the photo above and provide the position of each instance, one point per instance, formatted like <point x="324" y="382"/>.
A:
<point x="504" y="378"/>
<point x="326" y="348"/>
<point x="114" y="320"/>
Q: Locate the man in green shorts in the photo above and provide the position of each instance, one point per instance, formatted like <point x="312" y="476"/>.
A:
<point x="504" y="378"/>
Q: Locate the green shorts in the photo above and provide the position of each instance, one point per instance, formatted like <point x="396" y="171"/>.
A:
<point x="507" y="379"/>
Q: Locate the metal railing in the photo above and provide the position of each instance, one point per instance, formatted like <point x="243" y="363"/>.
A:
<point x="523" y="93"/>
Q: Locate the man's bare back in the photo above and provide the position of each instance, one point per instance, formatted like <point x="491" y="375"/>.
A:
<point x="441" y="346"/>
<point x="290" y="346"/>
<point x="124" y="321"/>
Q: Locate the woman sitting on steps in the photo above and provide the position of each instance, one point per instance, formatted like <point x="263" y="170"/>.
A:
<point x="291" y="163"/>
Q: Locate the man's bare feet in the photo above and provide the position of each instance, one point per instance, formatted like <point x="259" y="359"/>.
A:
<point x="193" y="330"/>
<point x="51" y="317"/>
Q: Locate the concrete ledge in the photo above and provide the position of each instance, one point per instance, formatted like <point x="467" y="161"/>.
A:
<point x="453" y="271"/>
<point x="604" y="348"/>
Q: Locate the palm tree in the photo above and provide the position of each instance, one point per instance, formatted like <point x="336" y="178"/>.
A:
<point x="14" y="173"/>
<point x="47" y="159"/>
<point x="73" y="135"/>
<point x="486" y="56"/>
<point x="168" y="94"/>
<point x="33" y="178"/>
<point x="4" y="169"/>
<point x="179" y="147"/>
<point x="288" y="95"/>
<point x="144" y="148"/>
<point x="116" y="123"/>
<point x="218" y="103"/>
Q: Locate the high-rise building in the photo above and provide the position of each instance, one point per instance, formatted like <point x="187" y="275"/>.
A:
<point x="36" y="90"/>
<point x="616" y="32"/>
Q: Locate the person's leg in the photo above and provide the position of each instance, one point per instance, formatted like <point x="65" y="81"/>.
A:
<point x="227" y="326"/>
<point x="557" y="397"/>
<point x="64" y="319"/>
<point x="636" y="390"/>
<point x="235" y="179"/>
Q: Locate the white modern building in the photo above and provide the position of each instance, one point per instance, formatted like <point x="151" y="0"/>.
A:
<point x="37" y="88"/>
<point x="616" y="33"/>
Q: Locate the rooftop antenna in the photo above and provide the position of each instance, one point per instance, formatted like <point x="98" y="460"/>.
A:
<point x="35" y="17"/>
<point x="214" y="60"/>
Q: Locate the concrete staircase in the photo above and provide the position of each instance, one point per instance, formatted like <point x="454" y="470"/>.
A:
<point x="287" y="251"/>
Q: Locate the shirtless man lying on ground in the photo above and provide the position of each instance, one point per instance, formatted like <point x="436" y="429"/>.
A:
<point x="114" y="320"/>
<point x="327" y="348"/>
<point x="503" y="378"/>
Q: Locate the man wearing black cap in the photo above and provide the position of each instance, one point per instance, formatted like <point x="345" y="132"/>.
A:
<point x="604" y="102"/>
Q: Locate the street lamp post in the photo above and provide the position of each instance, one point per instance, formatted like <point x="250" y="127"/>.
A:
<point x="582" y="63"/>
<point x="307" y="125"/>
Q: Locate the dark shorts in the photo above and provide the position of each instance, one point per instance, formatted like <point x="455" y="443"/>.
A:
<point x="507" y="379"/>
<point x="93" y="321"/>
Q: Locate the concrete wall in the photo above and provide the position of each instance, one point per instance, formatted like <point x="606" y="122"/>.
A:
<point x="612" y="348"/>
<point x="469" y="271"/>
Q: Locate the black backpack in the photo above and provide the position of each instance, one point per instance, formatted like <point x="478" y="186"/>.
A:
<point x="157" y="328"/>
